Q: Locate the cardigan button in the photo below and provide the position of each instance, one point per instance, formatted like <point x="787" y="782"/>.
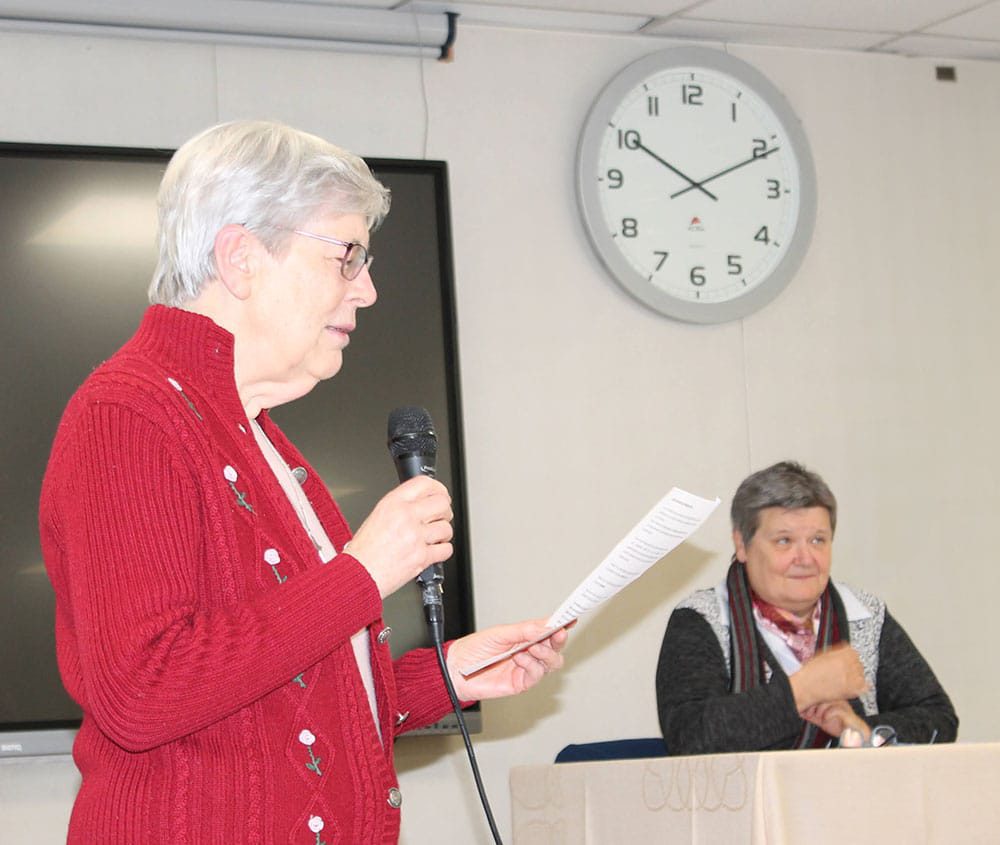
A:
<point x="395" y="798"/>
<point x="383" y="635"/>
<point x="300" y="474"/>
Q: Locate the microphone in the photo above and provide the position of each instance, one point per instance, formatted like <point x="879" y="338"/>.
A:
<point x="413" y="446"/>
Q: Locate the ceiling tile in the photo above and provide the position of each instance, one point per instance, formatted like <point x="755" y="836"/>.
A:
<point x="786" y="36"/>
<point x="883" y="15"/>
<point x="981" y="23"/>
<point x="941" y="47"/>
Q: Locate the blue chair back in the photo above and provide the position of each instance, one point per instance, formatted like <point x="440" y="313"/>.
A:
<point x="615" y="749"/>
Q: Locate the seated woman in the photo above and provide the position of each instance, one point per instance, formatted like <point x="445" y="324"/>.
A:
<point x="778" y="656"/>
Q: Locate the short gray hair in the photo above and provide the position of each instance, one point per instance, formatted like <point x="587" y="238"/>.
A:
<point x="265" y="176"/>
<point x="784" y="485"/>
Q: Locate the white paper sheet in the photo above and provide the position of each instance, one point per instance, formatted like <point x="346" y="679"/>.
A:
<point x="671" y="521"/>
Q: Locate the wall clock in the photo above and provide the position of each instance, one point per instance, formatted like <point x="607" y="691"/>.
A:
<point x="696" y="184"/>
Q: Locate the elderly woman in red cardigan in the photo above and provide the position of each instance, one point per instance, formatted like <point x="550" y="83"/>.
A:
<point x="216" y="620"/>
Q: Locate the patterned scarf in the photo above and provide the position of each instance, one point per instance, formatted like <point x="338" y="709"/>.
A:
<point x="749" y="653"/>
<point x="799" y="634"/>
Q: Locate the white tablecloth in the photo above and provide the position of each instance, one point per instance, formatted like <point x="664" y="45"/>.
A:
<point x="904" y="794"/>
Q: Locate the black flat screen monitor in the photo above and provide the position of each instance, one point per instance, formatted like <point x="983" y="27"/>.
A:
<point x="77" y="228"/>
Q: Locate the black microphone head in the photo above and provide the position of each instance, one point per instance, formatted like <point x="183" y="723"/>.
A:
<point x="411" y="431"/>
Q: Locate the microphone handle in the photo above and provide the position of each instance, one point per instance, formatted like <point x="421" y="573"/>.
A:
<point x="414" y="464"/>
<point x="431" y="579"/>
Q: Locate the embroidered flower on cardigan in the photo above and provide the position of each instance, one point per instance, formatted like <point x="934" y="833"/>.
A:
<point x="231" y="476"/>
<point x="316" y="825"/>
<point x="307" y="738"/>
<point x="298" y="680"/>
<point x="174" y="384"/>
<point x="272" y="559"/>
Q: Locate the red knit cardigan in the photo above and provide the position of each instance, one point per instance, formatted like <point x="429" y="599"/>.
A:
<point x="195" y="625"/>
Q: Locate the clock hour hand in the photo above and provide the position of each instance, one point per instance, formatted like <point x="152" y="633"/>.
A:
<point x="691" y="183"/>
<point x="699" y="185"/>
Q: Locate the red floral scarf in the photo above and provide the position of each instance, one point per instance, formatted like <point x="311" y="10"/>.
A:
<point x="799" y="634"/>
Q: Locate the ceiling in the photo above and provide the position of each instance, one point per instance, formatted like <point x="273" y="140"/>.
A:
<point x="949" y="29"/>
<point x="937" y="28"/>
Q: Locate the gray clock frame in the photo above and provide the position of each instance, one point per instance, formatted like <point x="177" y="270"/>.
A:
<point x="588" y="189"/>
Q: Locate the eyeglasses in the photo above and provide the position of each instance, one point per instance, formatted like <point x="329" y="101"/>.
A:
<point x="355" y="258"/>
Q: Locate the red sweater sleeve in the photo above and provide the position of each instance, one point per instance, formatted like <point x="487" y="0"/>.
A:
<point x="157" y="655"/>
<point x="422" y="694"/>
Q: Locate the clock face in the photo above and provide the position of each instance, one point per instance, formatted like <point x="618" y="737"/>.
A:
<point x="696" y="184"/>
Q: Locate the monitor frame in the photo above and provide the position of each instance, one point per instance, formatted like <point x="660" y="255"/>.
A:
<point x="36" y="738"/>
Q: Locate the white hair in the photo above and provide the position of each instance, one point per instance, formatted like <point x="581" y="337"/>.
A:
<point x="265" y="176"/>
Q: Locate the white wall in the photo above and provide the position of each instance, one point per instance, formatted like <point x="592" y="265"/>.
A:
<point x="874" y="366"/>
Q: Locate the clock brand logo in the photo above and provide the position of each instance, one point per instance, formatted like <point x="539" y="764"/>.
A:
<point x="695" y="225"/>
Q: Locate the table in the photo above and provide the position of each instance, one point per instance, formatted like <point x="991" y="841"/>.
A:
<point x="902" y="794"/>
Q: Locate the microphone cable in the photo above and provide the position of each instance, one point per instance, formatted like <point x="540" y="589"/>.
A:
<point x="412" y="444"/>
<point x="437" y="635"/>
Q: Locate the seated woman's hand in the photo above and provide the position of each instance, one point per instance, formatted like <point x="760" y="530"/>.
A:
<point x="834" y="674"/>
<point x="834" y="717"/>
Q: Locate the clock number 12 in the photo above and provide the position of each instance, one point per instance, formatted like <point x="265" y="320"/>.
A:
<point x="691" y="94"/>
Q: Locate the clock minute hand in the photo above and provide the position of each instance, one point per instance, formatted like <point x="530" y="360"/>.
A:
<point x="669" y="166"/>
<point x="699" y="185"/>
